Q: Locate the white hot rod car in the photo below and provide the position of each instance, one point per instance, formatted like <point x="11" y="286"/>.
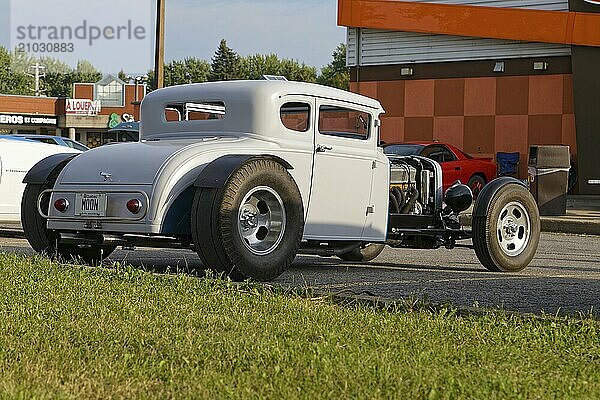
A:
<point x="250" y="173"/>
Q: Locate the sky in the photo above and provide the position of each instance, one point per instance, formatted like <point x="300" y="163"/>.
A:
<point x="304" y="30"/>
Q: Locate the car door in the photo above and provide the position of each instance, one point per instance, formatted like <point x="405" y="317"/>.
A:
<point x="344" y="156"/>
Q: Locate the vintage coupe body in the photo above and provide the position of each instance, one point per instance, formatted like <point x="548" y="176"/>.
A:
<point x="249" y="173"/>
<point x="17" y="156"/>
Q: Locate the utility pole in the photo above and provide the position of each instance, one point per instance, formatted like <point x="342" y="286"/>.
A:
<point x="159" y="51"/>
<point x="37" y="72"/>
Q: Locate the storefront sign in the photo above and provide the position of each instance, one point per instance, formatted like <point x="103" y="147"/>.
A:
<point x="113" y="120"/>
<point x="596" y="2"/>
<point x="82" y="107"/>
<point x="37" y="120"/>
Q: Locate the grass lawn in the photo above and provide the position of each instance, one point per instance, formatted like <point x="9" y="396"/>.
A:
<point x="73" y="332"/>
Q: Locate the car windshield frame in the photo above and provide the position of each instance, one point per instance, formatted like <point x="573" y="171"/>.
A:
<point x="411" y="149"/>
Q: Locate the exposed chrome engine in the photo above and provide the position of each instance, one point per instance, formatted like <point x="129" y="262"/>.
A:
<point x="415" y="185"/>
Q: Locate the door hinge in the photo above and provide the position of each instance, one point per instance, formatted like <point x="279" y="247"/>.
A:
<point x="370" y="209"/>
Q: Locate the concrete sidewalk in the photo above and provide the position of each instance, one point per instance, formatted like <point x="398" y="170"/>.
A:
<point x="583" y="218"/>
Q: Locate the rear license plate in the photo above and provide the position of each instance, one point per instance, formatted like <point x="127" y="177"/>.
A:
<point x="90" y="204"/>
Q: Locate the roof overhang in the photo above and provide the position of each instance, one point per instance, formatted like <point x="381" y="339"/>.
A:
<point x="564" y="27"/>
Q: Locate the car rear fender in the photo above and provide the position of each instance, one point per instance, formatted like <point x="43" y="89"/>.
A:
<point x="48" y="168"/>
<point x="489" y="190"/>
<point x="216" y="174"/>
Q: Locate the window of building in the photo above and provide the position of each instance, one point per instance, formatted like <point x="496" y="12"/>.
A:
<point x="110" y="91"/>
<point x="295" y="116"/>
<point x="344" y="122"/>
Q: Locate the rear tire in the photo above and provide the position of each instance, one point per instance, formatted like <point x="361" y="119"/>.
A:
<point x="43" y="240"/>
<point x="507" y="231"/>
<point x="253" y="226"/>
<point x="366" y="252"/>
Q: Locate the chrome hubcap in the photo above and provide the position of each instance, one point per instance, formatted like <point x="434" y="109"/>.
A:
<point x="514" y="227"/>
<point x="261" y="220"/>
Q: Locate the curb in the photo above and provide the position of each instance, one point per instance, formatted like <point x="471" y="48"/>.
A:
<point x="557" y="225"/>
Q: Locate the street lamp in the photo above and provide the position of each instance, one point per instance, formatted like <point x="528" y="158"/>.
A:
<point x="138" y="80"/>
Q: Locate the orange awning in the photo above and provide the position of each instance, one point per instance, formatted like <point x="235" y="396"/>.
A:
<point x="566" y="27"/>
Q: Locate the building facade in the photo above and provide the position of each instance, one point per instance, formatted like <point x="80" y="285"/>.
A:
<point x="87" y="117"/>
<point x="484" y="75"/>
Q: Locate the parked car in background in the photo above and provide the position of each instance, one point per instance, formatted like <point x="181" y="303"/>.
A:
<point x="126" y="132"/>
<point x="61" y="141"/>
<point x="17" y="156"/>
<point x="456" y="164"/>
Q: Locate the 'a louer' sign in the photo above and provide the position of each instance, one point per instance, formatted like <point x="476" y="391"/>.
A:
<point x="82" y="107"/>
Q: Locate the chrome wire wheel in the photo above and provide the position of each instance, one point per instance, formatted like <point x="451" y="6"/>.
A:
<point x="261" y="220"/>
<point x="513" y="229"/>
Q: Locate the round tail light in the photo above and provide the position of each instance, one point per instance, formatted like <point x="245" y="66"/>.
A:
<point x="61" y="205"/>
<point x="134" y="206"/>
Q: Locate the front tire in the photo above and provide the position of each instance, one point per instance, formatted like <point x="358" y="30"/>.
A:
<point x="366" y="252"/>
<point x="506" y="234"/>
<point x="253" y="226"/>
<point x="43" y="240"/>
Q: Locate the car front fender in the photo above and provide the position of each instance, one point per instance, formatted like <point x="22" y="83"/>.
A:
<point x="489" y="190"/>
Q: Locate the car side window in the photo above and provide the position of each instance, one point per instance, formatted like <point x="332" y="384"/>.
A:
<point x="75" y="145"/>
<point x="45" y="140"/>
<point x="448" y="155"/>
<point x="436" y="153"/>
<point x="344" y="122"/>
<point x="295" y="116"/>
<point x="390" y="149"/>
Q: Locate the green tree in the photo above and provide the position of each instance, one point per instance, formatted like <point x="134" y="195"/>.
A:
<point x="255" y="66"/>
<point x="55" y="66"/>
<point x="59" y="80"/>
<point x="226" y="64"/>
<point x="86" y="72"/>
<point x="122" y="75"/>
<point x="190" y="70"/>
<point x="336" y="73"/>
<point x="13" y="79"/>
<point x="295" y="71"/>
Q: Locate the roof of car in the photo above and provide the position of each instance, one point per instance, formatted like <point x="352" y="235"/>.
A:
<point x="34" y="135"/>
<point x="14" y="137"/>
<point x="251" y="88"/>
<point x="421" y="143"/>
<point x="249" y="106"/>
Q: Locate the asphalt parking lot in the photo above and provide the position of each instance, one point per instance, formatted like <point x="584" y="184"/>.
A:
<point x="563" y="278"/>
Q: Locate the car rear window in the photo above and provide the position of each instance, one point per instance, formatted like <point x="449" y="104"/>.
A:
<point x="402" y="149"/>
<point x="195" y="111"/>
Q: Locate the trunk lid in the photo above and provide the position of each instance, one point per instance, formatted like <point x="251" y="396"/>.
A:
<point x="122" y="163"/>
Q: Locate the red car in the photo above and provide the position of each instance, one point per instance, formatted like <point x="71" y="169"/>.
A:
<point x="456" y="165"/>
